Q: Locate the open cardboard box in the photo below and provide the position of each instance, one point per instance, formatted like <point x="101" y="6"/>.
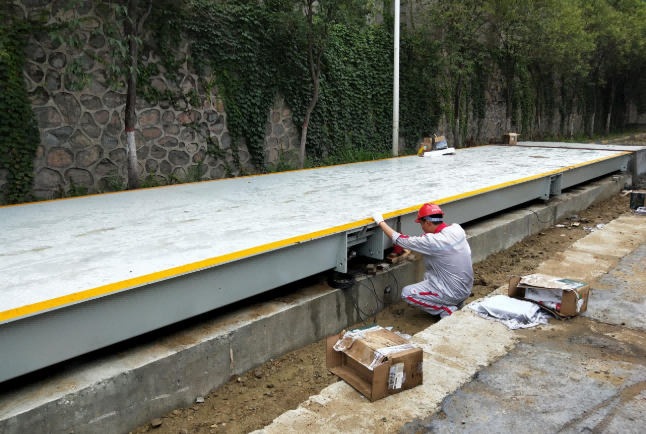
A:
<point x="574" y="300"/>
<point x="389" y="374"/>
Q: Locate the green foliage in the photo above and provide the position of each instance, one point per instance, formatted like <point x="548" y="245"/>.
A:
<point x="76" y="190"/>
<point x="349" y="156"/>
<point x="19" y="136"/>
<point x="355" y="106"/>
<point x="115" y="182"/>
<point x="233" y="40"/>
<point x="421" y="98"/>
<point x="194" y="173"/>
<point x="150" y="180"/>
<point x="282" y="165"/>
<point x="523" y="102"/>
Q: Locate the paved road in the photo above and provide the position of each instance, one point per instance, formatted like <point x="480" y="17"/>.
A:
<point x="581" y="376"/>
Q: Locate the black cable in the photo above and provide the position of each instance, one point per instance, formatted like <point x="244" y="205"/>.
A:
<point x="373" y="285"/>
<point x="396" y="282"/>
<point x="356" y="307"/>
<point x="552" y="218"/>
<point x="346" y="281"/>
<point x="374" y="292"/>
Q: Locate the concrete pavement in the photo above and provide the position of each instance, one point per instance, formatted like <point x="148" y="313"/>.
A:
<point x="579" y="375"/>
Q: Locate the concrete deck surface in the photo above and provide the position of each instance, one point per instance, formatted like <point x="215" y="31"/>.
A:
<point x="127" y="239"/>
<point x="578" y="375"/>
<point x="599" y="147"/>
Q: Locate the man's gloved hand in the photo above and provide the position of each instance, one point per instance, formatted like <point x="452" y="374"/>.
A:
<point x="378" y="218"/>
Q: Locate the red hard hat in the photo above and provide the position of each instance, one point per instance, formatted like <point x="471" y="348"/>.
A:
<point x="428" y="209"/>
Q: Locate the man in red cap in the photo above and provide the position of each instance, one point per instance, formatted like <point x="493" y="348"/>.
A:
<point x="447" y="257"/>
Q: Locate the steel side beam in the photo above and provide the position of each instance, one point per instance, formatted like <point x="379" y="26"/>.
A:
<point x="38" y="341"/>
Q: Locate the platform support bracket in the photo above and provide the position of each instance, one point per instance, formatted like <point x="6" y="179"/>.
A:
<point x="555" y="184"/>
<point x="367" y="241"/>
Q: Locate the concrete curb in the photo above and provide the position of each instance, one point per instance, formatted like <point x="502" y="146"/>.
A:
<point x="620" y="139"/>
<point x="132" y="385"/>
<point x="455" y="349"/>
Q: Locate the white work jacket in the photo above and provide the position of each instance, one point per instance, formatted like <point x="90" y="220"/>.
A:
<point x="447" y="258"/>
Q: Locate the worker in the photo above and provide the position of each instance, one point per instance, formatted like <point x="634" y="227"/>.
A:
<point x="447" y="258"/>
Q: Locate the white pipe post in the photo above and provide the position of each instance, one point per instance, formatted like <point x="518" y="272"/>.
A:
<point x="396" y="84"/>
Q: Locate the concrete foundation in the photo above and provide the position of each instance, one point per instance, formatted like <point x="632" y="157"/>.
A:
<point x="129" y="384"/>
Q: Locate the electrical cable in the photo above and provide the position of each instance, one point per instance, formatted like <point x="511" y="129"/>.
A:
<point x="373" y="290"/>
<point x="552" y="218"/>
<point x="396" y="282"/>
<point x="345" y="281"/>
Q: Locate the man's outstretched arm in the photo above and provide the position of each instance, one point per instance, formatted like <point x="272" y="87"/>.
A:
<point x="379" y="219"/>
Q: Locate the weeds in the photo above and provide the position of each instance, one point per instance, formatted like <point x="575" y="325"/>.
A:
<point x="349" y="155"/>
<point x="150" y="180"/>
<point x="585" y="138"/>
<point x="282" y="165"/>
<point x="77" y="190"/>
<point x="114" y="181"/>
<point x="195" y="172"/>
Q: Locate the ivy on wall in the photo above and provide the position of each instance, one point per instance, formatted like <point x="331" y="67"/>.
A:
<point x="253" y="55"/>
<point x="233" y="41"/>
<point x="20" y="136"/>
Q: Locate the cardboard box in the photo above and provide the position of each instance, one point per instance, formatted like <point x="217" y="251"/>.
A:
<point x="510" y="138"/>
<point x="573" y="294"/>
<point x="375" y="361"/>
<point x="431" y="142"/>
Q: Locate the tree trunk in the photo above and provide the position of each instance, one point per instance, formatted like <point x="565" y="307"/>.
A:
<point x="612" y="100"/>
<point x="458" y="92"/>
<point x="537" y="108"/>
<point x="510" y="87"/>
<point x="572" y="105"/>
<point x="131" y="97"/>
<point x="315" y="72"/>
<point x="594" y="111"/>
<point x="308" y="113"/>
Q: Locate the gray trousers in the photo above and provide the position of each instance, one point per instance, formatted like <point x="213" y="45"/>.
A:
<point x="428" y="298"/>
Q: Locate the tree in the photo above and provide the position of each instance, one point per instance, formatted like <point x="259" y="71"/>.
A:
<point x="122" y="26"/>
<point x="461" y="23"/>
<point x="602" y="22"/>
<point x="315" y="19"/>
<point x="628" y="44"/>
<point x="132" y="29"/>
<point x="562" y="47"/>
<point x="513" y="25"/>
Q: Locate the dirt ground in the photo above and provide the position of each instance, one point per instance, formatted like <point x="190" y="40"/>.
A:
<point x="253" y="400"/>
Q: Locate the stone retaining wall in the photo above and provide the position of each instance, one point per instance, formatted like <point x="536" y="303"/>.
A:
<point x="82" y="132"/>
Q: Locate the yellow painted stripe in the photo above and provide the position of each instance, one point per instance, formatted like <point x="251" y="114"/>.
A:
<point x="200" y="265"/>
<point x="221" y="179"/>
